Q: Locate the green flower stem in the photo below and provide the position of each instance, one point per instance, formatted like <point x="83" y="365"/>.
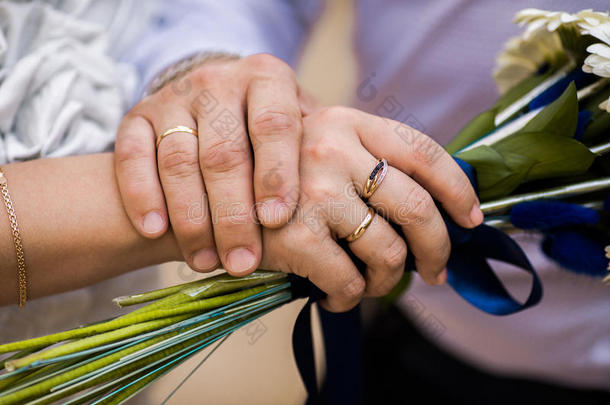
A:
<point x="94" y="341"/>
<point x="154" y="295"/>
<point x="10" y="381"/>
<point x="199" y="305"/>
<point x="43" y="388"/>
<point x="523" y="101"/>
<point x="90" y="396"/>
<point x="131" y="318"/>
<point x="601" y="149"/>
<point x="211" y="287"/>
<point x="569" y="190"/>
<point x="37" y="374"/>
<point x="17" y="355"/>
<point x="132" y="390"/>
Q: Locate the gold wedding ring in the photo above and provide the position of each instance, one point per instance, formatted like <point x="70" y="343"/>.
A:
<point x="173" y="130"/>
<point x="362" y="227"/>
<point x="375" y="179"/>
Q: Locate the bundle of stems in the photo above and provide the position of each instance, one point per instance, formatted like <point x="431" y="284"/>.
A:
<point x="110" y="361"/>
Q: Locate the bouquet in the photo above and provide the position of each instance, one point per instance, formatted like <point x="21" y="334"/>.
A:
<point x="538" y="159"/>
<point x="540" y="152"/>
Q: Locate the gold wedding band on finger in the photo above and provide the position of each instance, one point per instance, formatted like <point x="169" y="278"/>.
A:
<point x="375" y="179"/>
<point x="173" y="130"/>
<point x="362" y="227"/>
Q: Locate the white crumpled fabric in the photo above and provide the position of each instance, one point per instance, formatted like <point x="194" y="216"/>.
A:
<point x="60" y="91"/>
<point x="63" y="92"/>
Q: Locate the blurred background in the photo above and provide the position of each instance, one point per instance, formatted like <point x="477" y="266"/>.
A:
<point x="255" y="364"/>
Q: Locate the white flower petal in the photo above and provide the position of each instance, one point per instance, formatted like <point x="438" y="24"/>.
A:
<point x="601" y="31"/>
<point x="602" y="50"/>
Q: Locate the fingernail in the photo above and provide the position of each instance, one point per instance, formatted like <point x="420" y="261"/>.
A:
<point x="153" y="222"/>
<point x="476" y="215"/>
<point x="205" y="259"/>
<point x="240" y="260"/>
<point x="442" y="277"/>
<point x="272" y="211"/>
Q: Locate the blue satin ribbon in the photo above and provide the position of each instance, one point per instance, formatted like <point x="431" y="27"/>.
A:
<point x="469" y="274"/>
<point x="580" y="79"/>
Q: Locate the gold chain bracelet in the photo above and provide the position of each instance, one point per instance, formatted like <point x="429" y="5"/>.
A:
<point x="12" y="217"/>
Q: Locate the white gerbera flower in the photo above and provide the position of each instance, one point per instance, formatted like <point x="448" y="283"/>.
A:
<point x="599" y="63"/>
<point x="522" y="57"/>
<point x="534" y="19"/>
<point x="585" y="22"/>
<point x="598" y="26"/>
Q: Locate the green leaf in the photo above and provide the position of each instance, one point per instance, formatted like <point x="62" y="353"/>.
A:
<point x="497" y="174"/>
<point x="597" y="129"/>
<point x="560" y="117"/>
<point x="554" y="156"/>
<point x="481" y="125"/>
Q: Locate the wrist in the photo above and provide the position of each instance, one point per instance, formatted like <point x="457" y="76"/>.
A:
<point x="185" y="65"/>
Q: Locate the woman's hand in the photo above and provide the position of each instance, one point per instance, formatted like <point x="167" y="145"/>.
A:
<point x="341" y="146"/>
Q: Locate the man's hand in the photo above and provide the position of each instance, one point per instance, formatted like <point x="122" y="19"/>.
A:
<point x="239" y="107"/>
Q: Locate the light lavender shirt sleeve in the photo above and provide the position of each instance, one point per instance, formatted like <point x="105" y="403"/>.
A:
<point x="244" y="27"/>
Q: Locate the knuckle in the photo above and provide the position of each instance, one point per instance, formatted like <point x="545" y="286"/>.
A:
<point x="189" y="233"/>
<point x="178" y="161"/>
<point x="231" y="216"/>
<point x="444" y="250"/>
<point x="205" y="75"/>
<point x="133" y="191"/>
<point x="320" y="191"/>
<point x="224" y="156"/>
<point x="354" y="289"/>
<point x="383" y="286"/>
<point x="324" y="149"/>
<point x="267" y="62"/>
<point x="333" y="114"/>
<point x="299" y="235"/>
<point x="395" y="255"/>
<point x="128" y="149"/>
<point x="461" y="190"/>
<point x="421" y="207"/>
<point x="166" y="95"/>
<point x="387" y="284"/>
<point x="425" y="150"/>
<point x="278" y="120"/>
